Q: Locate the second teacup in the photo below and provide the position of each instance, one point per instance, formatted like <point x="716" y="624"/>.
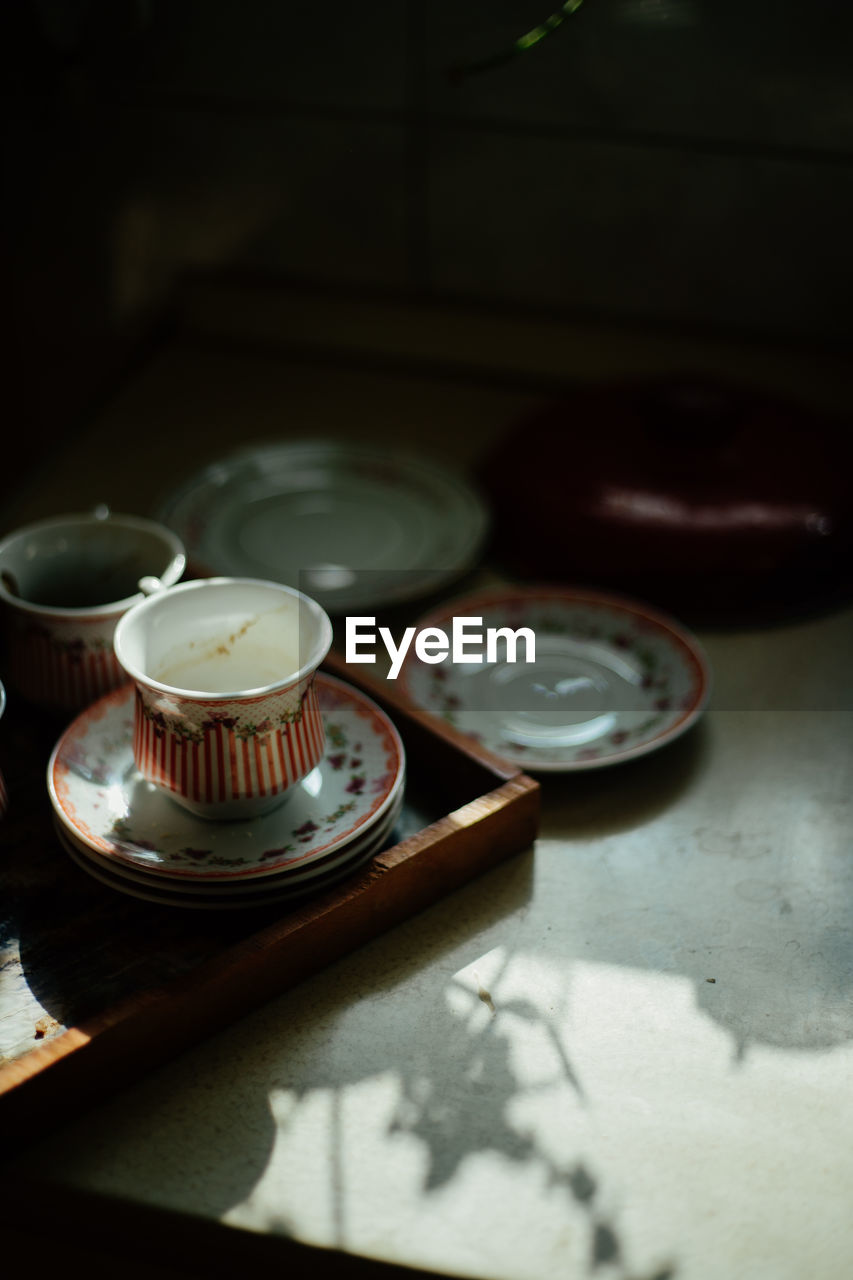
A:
<point x="64" y="583"/>
<point x="226" y="717"/>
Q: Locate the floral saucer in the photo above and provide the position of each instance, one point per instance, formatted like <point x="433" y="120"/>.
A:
<point x="612" y="678"/>
<point x="354" y="527"/>
<point x="100" y="797"/>
<point x="225" y="897"/>
<point x="291" y="878"/>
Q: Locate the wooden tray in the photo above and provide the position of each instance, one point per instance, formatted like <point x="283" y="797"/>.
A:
<point x="97" y="988"/>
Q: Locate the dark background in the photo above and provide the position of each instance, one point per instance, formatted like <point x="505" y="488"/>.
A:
<point x="680" y="163"/>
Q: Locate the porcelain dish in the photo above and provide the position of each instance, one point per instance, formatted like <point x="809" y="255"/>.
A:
<point x="352" y="527"/>
<point x="123" y="823"/>
<point x="612" y="679"/>
<point x="160" y="893"/>
<point x="287" y="879"/>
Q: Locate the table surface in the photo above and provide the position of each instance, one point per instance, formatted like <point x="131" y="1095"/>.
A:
<point x="628" y="1050"/>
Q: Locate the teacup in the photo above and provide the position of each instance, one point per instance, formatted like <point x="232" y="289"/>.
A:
<point x="226" y="717"/>
<point x="64" y="584"/>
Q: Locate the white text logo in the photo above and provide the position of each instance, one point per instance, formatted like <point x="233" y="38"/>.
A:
<point x="465" y="644"/>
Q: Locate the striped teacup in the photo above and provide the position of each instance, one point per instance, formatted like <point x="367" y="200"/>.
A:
<point x="226" y="718"/>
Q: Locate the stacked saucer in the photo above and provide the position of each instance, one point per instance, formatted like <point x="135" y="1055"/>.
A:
<point x="131" y="836"/>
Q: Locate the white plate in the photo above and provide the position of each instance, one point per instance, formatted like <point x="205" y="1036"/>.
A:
<point x="225" y="900"/>
<point x="353" y="527"/>
<point x="256" y="888"/>
<point x="613" y="679"/>
<point x="99" y="796"/>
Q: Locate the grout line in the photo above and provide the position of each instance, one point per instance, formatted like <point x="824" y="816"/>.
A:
<point x="513" y="314"/>
<point x="438" y="120"/>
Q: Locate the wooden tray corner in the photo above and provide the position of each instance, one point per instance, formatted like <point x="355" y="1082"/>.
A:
<point x="211" y="973"/>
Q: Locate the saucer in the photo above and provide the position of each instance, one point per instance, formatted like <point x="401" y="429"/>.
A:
<point x="225" y="898"/>
<point x="246" y="889"/>
<point x="613" y="679"/>
<point x="99" y="796"/>
<point x="353" y="527"/>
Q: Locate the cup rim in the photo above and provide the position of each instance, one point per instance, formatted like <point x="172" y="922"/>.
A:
<point x="169" y="577"/>
<point x="156" y="600"/>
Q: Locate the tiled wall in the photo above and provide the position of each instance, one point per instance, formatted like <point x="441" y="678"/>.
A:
<point x="689" y="162"/>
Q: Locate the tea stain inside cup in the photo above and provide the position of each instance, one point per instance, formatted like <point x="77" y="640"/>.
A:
<point x="260" y="652"/>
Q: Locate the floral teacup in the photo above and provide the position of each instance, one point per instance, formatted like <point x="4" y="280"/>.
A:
<point x="64" y="584"/>
<point x="226" y="717"/>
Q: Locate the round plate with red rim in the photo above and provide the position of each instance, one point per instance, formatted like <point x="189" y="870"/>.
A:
<point x="292" y="879"/>
<point x="231" y="895"/>
<point x="98" y="794"/>
<point x="612" y="678"/>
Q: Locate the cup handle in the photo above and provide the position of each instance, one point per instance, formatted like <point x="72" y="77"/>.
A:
<point x="149" y="585"/>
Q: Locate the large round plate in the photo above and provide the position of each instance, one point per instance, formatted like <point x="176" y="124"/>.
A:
<point x="353" y="527"/>
<point x="612" y="679"/>
<point x="100" y="797"/>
